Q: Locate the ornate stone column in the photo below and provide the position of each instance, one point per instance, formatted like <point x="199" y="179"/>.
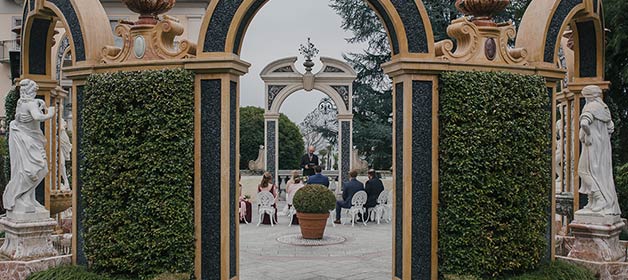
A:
<point x="345" y="142"/>
<point x="271" y="131"/>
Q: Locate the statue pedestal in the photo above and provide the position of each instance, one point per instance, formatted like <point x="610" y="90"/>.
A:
<point x="28" y="239"/>
<point x="597" y="237"/>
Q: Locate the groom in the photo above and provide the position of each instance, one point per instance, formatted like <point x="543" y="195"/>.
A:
<point x="308" y="161"/>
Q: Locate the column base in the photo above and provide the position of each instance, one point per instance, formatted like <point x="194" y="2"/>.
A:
<point x="27" y="240"/>
<point x="597" y="238"/>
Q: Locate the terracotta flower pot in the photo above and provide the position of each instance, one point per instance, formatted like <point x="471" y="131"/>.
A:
<point x="312" y="225"/>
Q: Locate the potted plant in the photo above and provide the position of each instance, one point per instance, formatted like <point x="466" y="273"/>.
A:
<point x="313" y="203"/>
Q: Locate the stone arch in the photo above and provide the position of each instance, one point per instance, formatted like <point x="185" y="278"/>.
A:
<point x="407" y="24"/>
<point x="553" y="17"/>
<point x="335" y="79"/>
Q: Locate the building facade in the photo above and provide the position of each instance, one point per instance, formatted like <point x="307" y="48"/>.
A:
<point x="188" y="12"/>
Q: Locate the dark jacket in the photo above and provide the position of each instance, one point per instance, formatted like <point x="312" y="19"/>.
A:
<point x="349" y="189"/>
<point x="305" y="161"/>
<point x="373" y="188"/>
<point x="319" y="179"/>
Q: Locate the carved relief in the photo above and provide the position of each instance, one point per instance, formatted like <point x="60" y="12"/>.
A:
<point x="273" y="91"/>
<point x="332" y="69"/>
<point x="344" y="93"/>
<point x="284" y="69"/>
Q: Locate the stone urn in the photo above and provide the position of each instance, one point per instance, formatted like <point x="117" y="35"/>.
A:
<point x="149" y="10"/>
<point x="482" y="10"/>
<point x="59" y="202"/>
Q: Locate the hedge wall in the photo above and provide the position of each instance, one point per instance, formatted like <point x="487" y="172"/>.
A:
<point x="138" y="156"/>
<point x="495" y="170"/>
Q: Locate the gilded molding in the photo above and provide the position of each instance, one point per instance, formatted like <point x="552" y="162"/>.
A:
<point x="480" y="44"/>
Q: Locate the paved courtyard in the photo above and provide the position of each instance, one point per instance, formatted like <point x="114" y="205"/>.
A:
<point x="366" y="253"/>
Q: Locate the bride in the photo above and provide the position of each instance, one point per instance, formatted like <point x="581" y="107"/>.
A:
<point x="29" y="165"/>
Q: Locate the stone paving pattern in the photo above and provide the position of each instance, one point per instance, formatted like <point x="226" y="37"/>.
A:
<point x="366" y="254"/>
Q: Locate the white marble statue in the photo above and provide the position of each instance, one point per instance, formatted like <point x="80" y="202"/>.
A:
<point x="29" y="164"/>
<point x="66" y="150"/>
<point x="595" y="167"/>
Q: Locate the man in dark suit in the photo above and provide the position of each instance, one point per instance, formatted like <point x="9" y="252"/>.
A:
<point x="348" y="190"/>
<point x="318" y="178"/>
<point x="373" y="188"/>
<point x="308" y="161"/>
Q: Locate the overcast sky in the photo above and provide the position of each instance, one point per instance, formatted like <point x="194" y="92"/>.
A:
<point x="276" y="32"/>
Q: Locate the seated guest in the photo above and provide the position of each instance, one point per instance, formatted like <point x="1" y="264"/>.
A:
<point x="318" y="178"/>
<point x="245" y="206"/>
<point x="348" y="190"/>
<point x="373" y="188"/>
<point x="293" y="174"/>
<point x="267" y="185"/>
<point x="290" y="191"/>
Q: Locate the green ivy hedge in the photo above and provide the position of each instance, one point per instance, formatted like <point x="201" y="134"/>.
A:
<point x="138" y="149"/>
<point x="495" y="170"/>
<point x="81" y="273"/>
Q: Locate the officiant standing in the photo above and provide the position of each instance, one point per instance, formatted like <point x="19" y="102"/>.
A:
<point x="308" y="161"/>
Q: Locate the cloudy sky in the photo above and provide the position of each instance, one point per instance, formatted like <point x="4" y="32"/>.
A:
<point x="277" y="32"/>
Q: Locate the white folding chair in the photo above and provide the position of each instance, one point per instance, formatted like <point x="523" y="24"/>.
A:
<point x="357" y="207"/>
<point x="265" y="201"/>
<point x="376" y="213"/>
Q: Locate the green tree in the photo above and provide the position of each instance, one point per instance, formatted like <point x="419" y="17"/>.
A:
<point x="616" y="14"/>
<point x="291" y="146"/>
<point x="251" y="134"/>
<point x="372" y="94"/>
<point x="372" y="98"/>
